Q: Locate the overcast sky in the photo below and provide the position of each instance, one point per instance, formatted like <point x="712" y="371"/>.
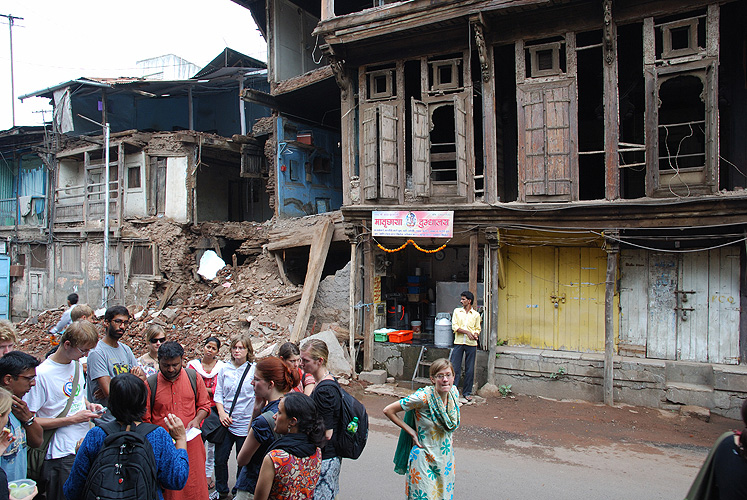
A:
<point x="62" y="40"/>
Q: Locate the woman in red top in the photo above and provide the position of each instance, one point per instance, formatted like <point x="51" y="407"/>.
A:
<point x="291" y="356"/>
<point x="208" y="368"/>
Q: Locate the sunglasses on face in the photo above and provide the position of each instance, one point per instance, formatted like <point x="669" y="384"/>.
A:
<point x="158" y="341"/>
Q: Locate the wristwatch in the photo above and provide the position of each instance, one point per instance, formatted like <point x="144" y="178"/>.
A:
<point x="29" y="421"/>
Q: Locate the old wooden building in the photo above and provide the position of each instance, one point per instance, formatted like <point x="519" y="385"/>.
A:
<point x="593" y="154"/>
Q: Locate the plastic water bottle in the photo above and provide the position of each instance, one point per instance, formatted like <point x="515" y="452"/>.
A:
<point x="352" y="427"/>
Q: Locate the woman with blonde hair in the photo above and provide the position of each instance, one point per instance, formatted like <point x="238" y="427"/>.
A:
<point x="328" y="400"/>
<point x="234" y="400"/>
<point x="425" y="452"/>
<point x="6" y="437"/>
<point x="155" y="335"/>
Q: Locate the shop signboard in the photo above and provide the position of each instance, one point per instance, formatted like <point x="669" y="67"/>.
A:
<point x="413" y="224"/>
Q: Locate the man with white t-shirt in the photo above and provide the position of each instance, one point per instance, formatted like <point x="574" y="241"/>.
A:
<point x="49" y="398"/>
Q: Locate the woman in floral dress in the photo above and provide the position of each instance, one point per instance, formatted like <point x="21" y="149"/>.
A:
<point x="425" y="453"/>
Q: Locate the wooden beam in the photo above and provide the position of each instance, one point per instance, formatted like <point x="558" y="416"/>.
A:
<point x="351" y="305"/>
<point x="328" y="10"/>
<point x="474" y="250"/>
<point x="284" y="301"/>
<point x="347" y="138"/>
<point x="317" y="257"/>
<point x="493" y="334"/>
<point x="258" y="97"/>
<point x="368" y="324"/>
<point x="611" y="114"/>
<point x="651" y="130"/>
<point x="609" y="320"/>
<point x="490" y="136"/>
<point x="281" y="268"/>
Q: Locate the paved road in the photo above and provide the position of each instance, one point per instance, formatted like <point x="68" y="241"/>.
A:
<point x="621" y="471"/>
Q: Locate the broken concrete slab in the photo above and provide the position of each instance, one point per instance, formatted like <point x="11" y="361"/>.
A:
<point x="373" y="377"/>
<point x="338" y="363"/>
<point x="389" y="390"/>
<point x="698" y="412"/>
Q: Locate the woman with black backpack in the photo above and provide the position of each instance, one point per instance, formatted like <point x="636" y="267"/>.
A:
<point x="155" y="459"/>
<point x="328" y="400"/>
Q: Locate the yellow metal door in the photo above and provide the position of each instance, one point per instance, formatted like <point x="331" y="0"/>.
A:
<point x="581" y="286"/>
<point x="527" y="316"/>
<point x="554" y="298"/>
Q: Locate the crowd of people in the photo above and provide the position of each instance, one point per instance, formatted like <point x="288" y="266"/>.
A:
<point x="61" y="417"/>
<point x="59" y="414"/>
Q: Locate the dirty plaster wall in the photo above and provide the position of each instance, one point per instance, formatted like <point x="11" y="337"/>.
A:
<point x="19" y="286"/>
<point x="177" y="194"/>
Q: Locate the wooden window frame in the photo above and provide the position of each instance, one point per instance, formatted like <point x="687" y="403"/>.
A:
<point x="667" y="51"/>
<point x="436" y="83"/>
<point x="75" y="268"/>
<point x="153" y="260"/>
<point x="139" y="187"/>
<point x="389" y="92"/>
<point x="534" y="50"/>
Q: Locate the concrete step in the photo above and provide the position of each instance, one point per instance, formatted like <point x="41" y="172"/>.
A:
<point x="690" y="394"/>
<point x="689" y="373"/>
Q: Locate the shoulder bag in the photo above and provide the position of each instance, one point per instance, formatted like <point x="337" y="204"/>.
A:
<point x="35" y="456"/>
<point x="212" y="430"/>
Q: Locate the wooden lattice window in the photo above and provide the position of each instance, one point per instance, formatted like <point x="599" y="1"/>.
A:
<point x="142" y="262"/>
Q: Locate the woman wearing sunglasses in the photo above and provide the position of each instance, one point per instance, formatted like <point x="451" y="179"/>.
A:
<point x="154" y="337"/>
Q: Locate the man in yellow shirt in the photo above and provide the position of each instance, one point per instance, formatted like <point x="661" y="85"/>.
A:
<point x="465" y="323"/>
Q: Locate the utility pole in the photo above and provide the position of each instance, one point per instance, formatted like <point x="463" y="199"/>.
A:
<point x="11" y="19"/>
<point x="107" y="140"/>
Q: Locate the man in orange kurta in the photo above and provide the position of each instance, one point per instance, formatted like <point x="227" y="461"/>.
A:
<point x="174" y="394"/>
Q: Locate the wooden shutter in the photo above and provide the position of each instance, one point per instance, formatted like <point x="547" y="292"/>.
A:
<point x="388" y="150"/>
<point x="370" y="153"/>
<point x="421" y="145"/>
<point x="547" y="131"/>
<point x="460" y="139"/>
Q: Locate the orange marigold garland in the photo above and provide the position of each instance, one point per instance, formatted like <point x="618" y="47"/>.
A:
<point x="393" y="250"/>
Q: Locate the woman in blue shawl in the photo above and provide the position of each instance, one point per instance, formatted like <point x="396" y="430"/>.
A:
<point x="425" y="453"/>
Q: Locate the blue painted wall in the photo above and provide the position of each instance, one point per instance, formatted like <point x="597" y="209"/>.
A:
<point x="302" y="188"/>
<point x="216" y="112"/>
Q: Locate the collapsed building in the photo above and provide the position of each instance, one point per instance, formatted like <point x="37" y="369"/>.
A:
<point x="184" y="170"/>
<point x="590" y="154"/>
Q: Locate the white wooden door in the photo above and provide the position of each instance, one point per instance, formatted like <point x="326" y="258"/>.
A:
<point x="662" y="295"/>
<point x="36" y="291"/>
<point x="682" y="306"/>
<point x="723" y="306"/>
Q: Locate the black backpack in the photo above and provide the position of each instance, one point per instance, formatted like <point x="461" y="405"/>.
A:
<point x="125" y="467"/>
<point x="350" y="445"/>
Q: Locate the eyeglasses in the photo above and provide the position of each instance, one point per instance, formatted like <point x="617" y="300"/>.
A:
<point x="30" y="379"/>
<point x="84" y="352"/>
<point x="123" y="322"/>
<point x="442" y="376"/>
<point x="158" y="341"/>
